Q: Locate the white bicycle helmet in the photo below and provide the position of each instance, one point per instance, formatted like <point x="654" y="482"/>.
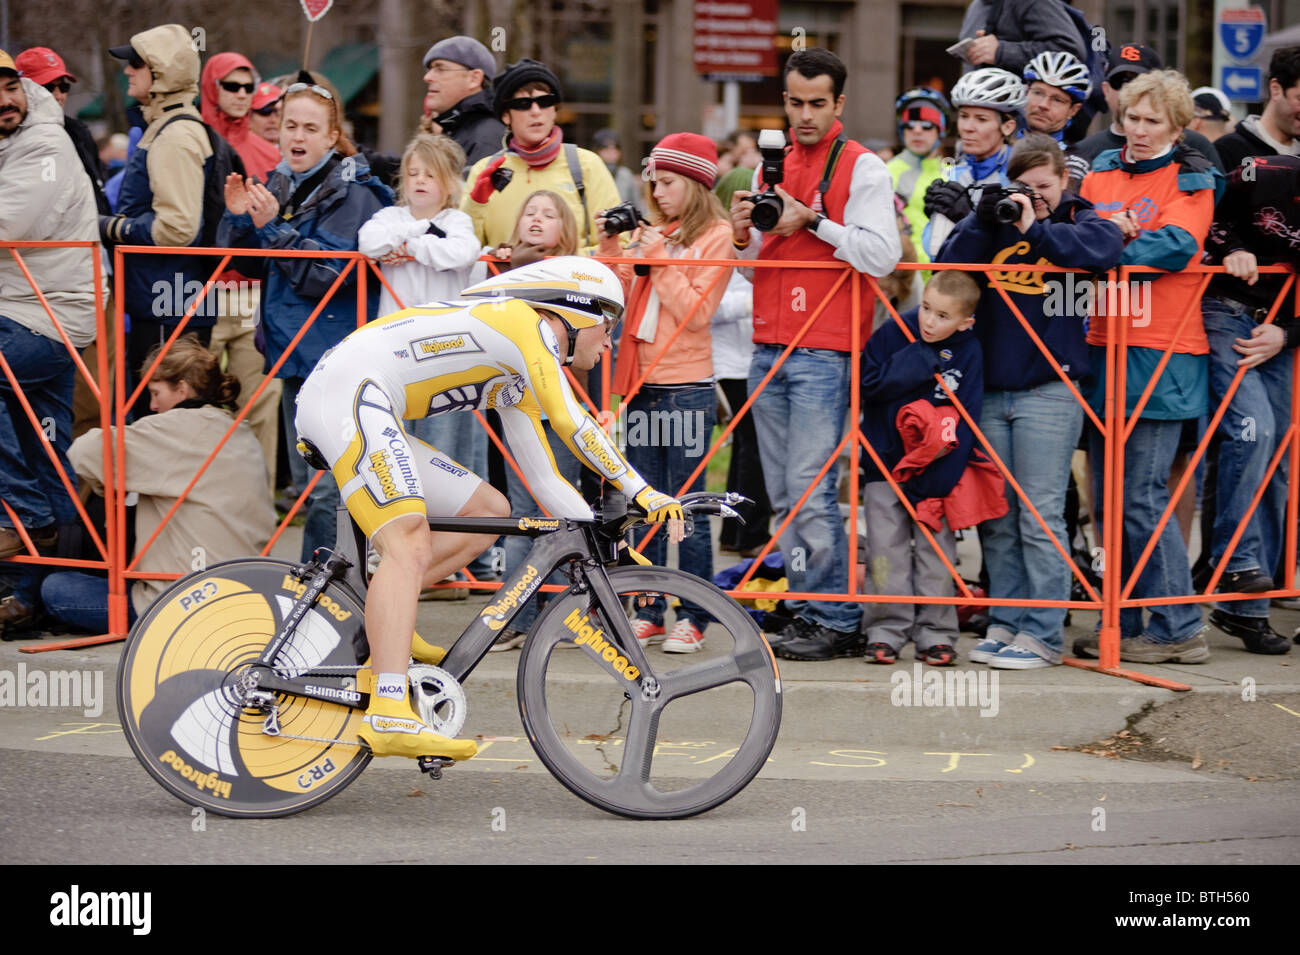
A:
<point x="1062" y="70"/>
<point x="581" y="291"/>
<point x="990" y="88"/>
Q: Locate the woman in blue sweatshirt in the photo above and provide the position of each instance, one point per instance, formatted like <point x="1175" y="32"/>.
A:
<point x="1029" y="415"/>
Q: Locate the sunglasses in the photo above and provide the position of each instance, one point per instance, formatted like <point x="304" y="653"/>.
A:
<point x="232" y="87"/>
<point x="318" y="90"/>
<point x="523" y="104"/>
<point x="59" y="86"/>
<point x="268" y="110"/>
<point x="919" y="126"/>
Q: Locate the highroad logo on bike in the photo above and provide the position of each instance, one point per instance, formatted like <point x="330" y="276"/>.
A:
<point x="298" y="588"/>
<point x="198" y="777"/>
<point x="538" y="524"/>
<point x="593" y="639"/>
<point x="495" y="613"/>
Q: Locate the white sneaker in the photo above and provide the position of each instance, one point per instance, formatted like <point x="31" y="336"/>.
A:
<point x="684" y="638"/>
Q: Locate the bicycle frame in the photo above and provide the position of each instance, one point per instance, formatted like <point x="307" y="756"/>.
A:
<point x="584" y="546"/>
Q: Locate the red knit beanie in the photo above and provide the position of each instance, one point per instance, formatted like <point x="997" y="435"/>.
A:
<point x="687" y="154"/>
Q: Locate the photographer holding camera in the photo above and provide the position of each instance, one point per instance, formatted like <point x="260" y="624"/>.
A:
<point x="835" y="204"/>
<point x="1029" y="415"/>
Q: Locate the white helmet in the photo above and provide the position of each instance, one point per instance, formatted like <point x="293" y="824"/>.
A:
<point x="990" y="88"/>
<point x="581" y="291"/>
<point x="1062" y="70"/>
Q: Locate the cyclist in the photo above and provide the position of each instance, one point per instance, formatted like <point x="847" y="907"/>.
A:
<point x="505" y="354"/>
<point x="989" y="102"/>
<point x="1058" y="86"/>
<point x="922" y="121"/>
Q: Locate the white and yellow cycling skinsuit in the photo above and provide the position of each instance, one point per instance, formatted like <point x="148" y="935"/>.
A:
<point x="438" y="359"/>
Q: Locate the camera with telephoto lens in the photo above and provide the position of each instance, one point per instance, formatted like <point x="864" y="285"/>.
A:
<point x="997" y="208"/>
<point x="622" y="218"/>
<point x="767" y="204"/>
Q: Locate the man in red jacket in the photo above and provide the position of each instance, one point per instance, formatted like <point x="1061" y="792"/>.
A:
<point x="837" y="206"/>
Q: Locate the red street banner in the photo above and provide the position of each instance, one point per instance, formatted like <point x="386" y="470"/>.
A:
<point x="733" y="38"/>
<point x="315" y="9"/>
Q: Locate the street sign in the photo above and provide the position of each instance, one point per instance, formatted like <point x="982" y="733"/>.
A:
<point x="1241" y="31"/>
<point x="1243" y="83"/>
<point x="734" y="39"/>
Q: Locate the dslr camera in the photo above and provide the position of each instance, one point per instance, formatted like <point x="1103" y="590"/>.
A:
<point x="997" y="208"/>
<point x="767" y="204"/>
<point x="622" y="218"/>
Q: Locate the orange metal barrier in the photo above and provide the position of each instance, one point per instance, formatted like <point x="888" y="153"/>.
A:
<point x="1116" y="424"/>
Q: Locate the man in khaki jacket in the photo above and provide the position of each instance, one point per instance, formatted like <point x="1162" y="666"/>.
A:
<point x="161" y="201"/>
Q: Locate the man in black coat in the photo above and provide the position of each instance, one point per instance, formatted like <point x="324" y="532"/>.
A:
<point x="459" y="100"/>
<point x="1276" y="131"/>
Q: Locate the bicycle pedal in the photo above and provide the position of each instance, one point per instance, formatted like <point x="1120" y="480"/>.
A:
<point x="433" y="765"/>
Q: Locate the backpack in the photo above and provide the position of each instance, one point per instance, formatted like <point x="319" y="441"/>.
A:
<point x="224" y="161"/>
<point x="1096" y="60"/>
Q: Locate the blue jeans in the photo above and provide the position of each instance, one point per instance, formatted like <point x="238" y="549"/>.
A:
<point x="1148" y="455"/>
<point x="460" y="436"/>
<point x="323" y="502"/>
<point x="799" y="418"/>
<point x="669" y="431"/>
<point x="28" y="481"/>
<point x="1034" y="432"/>
<point x="80" y="600"/>
<point x="1257" y="416"/>
<point x="522" y="505"/>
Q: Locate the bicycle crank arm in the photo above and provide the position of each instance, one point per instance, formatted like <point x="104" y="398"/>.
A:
<point x="315" y="690"/>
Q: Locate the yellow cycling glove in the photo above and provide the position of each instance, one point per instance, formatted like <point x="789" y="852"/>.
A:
<point x="658" y="507"/>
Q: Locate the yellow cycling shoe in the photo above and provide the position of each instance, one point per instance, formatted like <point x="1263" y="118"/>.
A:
<point x="390" y="728"/>
<point x="425" y="652"/>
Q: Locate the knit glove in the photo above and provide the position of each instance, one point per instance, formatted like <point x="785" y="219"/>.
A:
<point x="482" y="190"/>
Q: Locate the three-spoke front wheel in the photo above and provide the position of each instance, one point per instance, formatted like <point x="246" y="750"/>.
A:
<point x="673" y="738"/>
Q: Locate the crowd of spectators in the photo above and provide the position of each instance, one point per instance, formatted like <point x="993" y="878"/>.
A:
<point x="1167" y="181"/>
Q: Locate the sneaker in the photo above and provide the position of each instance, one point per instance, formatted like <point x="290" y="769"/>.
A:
<point x="939" y="655"/>
<point x="823" y="643"/>
<point x="797" y="629"/>
<point x="1253" y="581"/>
<point x="1017" y="658"/>
<point x="390" y="728"/>
<point x="1145" y="650"/>
<point x="647" y="632"/>
<point x="42" y="537"/>
<point x="1255" y="632"/>
<point x="685" y="638"/>
<point x="985" y="650"/>
<point x="508" y="640"/>
<point x="881" y="653"/>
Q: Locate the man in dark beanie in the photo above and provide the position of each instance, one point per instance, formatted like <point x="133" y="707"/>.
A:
<point x="535" y="156"/>
<point x="459" y="100"/>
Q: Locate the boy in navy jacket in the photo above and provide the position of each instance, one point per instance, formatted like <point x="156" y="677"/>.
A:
<point x="895" y="373"/>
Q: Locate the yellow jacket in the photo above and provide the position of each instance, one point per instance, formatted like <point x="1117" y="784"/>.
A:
<point x="494" y="220"/>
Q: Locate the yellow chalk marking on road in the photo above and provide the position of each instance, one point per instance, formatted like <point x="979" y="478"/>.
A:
<point x="954" y="759"/>
<point x="87" y="729"/>
<point x="1029" y="761"/>
<point x="853" y="754"/>
<point x="1281" y="707"/>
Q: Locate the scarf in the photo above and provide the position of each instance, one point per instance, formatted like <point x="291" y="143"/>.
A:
<point x="544" y="154"/>
<point x="982" y="169"/>
<point x="640" y="323"/>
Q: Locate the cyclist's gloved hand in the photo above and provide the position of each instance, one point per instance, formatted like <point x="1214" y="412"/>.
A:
<point x="948" y="199"/>
<point x="658" y="507"/>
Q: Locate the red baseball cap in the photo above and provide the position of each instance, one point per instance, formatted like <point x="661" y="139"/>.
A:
<point x="266" y="95"/>
<point x="42" y="65"/>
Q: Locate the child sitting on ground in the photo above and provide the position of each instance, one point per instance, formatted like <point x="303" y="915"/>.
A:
<point x="900" y="396"/>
